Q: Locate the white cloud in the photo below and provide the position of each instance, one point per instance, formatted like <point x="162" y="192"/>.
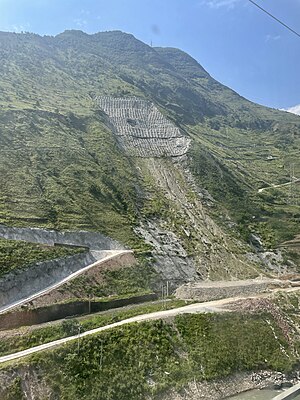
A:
<point x="80" y="22"/>
<point x="269" y="38"/>
<point x="85" y="12"/>
<point x="294" y="110"/>
<point x="220" y="3"/>
<point x="17" y="28"/>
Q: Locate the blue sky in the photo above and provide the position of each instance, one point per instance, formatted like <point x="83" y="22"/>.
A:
<point x="235" y="42"/>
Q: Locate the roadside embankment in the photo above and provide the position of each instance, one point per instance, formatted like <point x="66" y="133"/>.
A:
<point x="213" y="290"/>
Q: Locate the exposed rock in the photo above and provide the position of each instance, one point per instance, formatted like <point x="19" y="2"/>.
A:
<point x="35" y="387"/>
<point x="256" y="242"/>
<point x="188" y="231"/>
<point x="171" y="259"/>
<point x="29" y="380"/>
<point x="92" y="240"/>
<point x="273" y="261"/>
<point x="232" y="385"/>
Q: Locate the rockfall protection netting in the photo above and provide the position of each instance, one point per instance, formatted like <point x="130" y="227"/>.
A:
<point x="142" y="130"/>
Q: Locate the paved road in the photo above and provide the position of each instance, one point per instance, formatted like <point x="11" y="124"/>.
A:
<point x="289" y="394"/>
<point x="109" y="255"/>
<point x="210" y="306"/>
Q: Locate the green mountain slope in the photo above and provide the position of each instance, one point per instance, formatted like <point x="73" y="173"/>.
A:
<point x="64" y="171"/>
<point x="61" y="166"/>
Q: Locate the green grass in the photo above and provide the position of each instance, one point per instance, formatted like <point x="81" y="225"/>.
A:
<point x="138" y="278"/>
<point x="77" y="180"/>
<point x="143" y="360"/>
<point x="60" y="166"/>
<point x="232" y="164"/>
<point x="222" y="345"/>
<point x="21" y="339"/>
<point x="16" y="255"/>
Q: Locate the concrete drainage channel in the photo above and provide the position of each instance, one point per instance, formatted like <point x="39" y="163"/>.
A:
<point x="16" y="319"/>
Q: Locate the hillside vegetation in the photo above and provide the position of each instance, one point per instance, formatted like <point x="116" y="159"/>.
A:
<point x="21" y="255"/>
<point x="190" y="217"/>
<point x="130" y="363"/>
<point x="61" y="167"/>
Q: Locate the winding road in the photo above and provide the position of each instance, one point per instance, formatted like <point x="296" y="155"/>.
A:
<point x="108" y="255"/>
<point x="203" y="307"/>
<point x="210" y="306"/>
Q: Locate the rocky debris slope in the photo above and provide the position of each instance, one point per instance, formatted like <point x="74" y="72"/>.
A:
<point x="141" y="129"/>
<point x="186" y="234"/>
<point x="25" y="380"/>
<point x="265" y="305"/>
<point x="186" y="243"/>
<point x="233" y="385"/>
<point x="171" y="259"/>
<point x="34" y="385"/>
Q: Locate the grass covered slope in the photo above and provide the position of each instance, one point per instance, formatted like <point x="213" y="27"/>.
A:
<point x="64" y="72"/>
<point x="20" y="255"/>
<point x="130" y="363"/>
<point x="61" y="166"/>
<point x="65" y="172"/>
<point x="229" y="108"/>
<point x="238" y="150"/>
<point x="234" y="164"/>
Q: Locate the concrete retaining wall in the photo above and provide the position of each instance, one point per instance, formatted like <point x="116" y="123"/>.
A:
<point x="93" y="240"/>
<point x="20" y="284"/>
<point x="24" y="283"/>
<point x="15" y="319"/>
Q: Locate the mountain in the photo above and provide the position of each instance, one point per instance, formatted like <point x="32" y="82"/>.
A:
<point x="62" y="165"/>
<point x="103" y="133"/>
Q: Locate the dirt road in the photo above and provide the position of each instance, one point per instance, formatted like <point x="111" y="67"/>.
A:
<point x="211" y="306"/>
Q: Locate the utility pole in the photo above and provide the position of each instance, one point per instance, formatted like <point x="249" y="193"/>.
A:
<point x="78" y="341"/>
<point x="89" y="299"/>
<point x="101" y="356"/>
<point x="292" y="177"/>
<point x="164" y="290"/>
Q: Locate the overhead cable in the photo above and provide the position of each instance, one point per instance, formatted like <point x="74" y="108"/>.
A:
<point x="276" y="19"/>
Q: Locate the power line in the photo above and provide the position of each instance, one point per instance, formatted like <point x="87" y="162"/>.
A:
<point x="276" y="19"/>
